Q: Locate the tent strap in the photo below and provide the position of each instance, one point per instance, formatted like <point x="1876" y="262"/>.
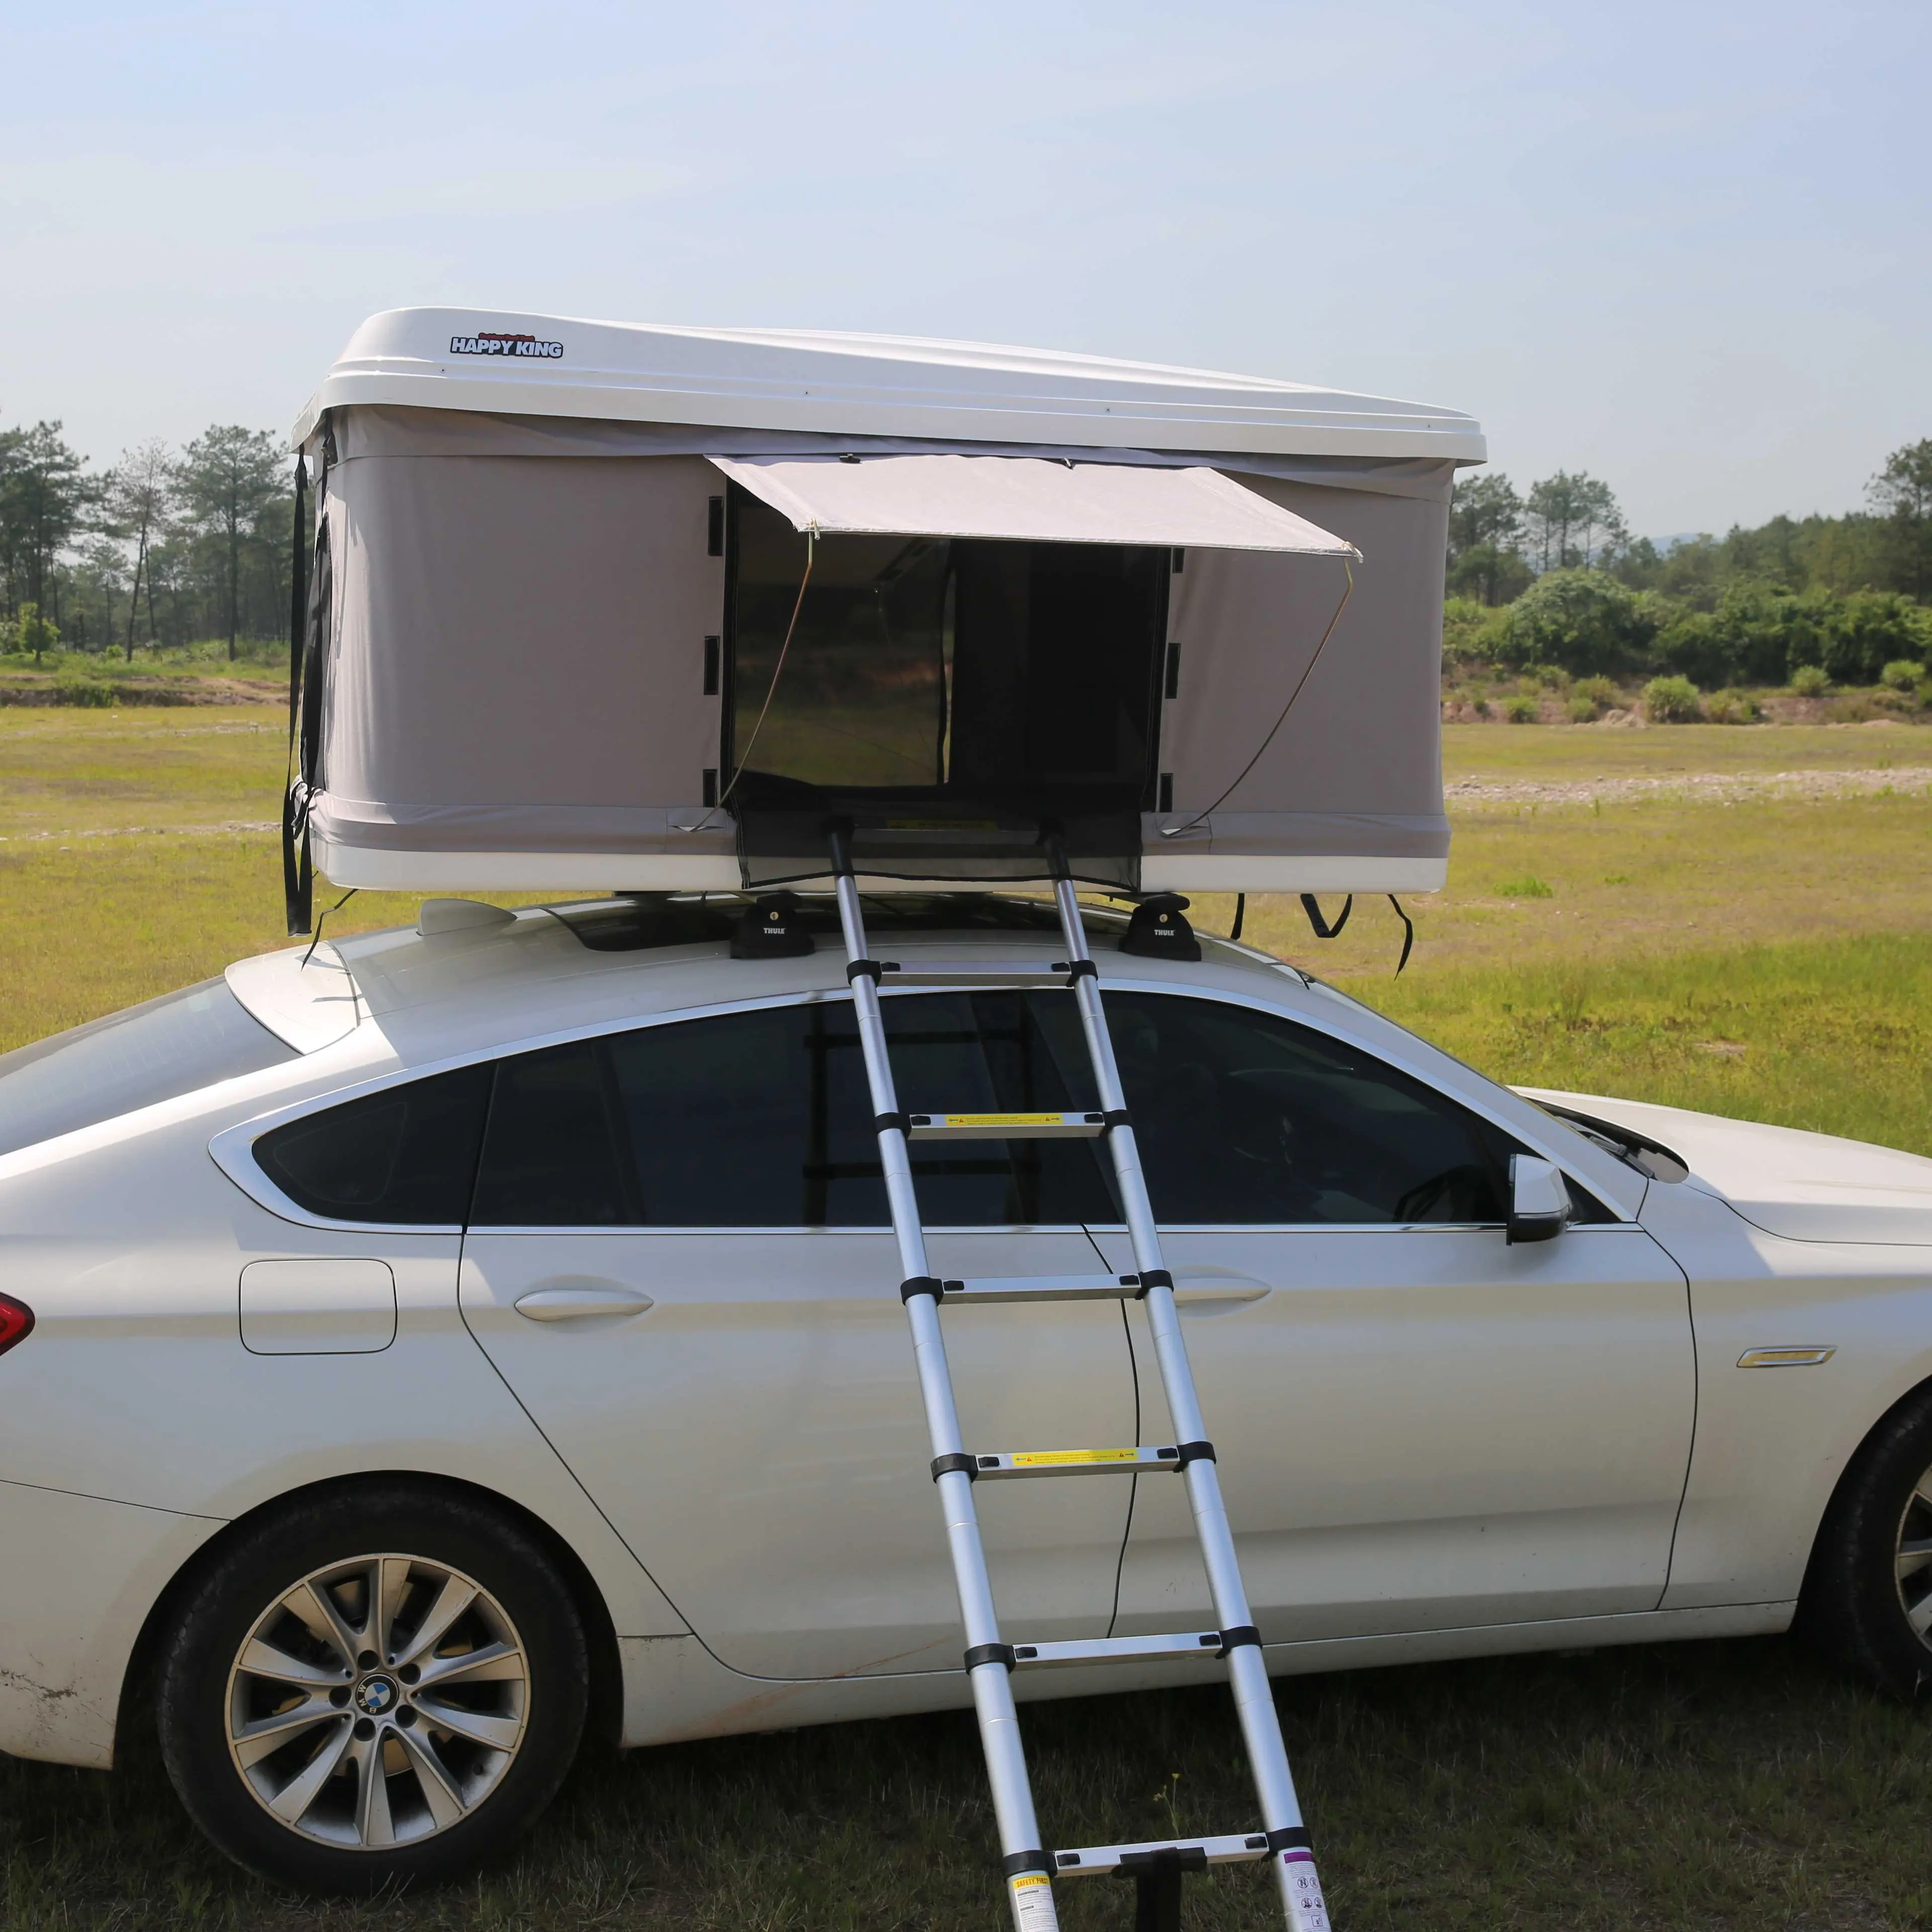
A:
<point x="309" y="597"/>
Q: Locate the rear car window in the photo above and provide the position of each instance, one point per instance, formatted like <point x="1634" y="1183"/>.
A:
<point x="403" y="1157"/>
<point x="151" y="1053"/>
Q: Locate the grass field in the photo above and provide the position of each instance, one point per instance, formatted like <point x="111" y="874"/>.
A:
<point x="1764" y="949"/>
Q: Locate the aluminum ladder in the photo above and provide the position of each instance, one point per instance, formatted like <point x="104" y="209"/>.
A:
<point x="1029" y="1868"/>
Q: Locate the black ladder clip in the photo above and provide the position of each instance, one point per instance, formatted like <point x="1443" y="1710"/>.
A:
<point x="1195" y="1452"/>
<point x="994" y="1653"/>
<point x="959" y="1463"/>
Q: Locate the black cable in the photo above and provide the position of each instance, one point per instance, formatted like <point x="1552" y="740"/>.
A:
<point x="320" y="917"/>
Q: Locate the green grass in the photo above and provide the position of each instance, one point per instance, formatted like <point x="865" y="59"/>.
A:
<point x="1734" y="1786"/>
<point x="1771" y="959"/>
<point x="1582" y="751"/>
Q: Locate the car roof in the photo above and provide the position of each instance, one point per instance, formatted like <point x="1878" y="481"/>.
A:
<point x="503" y="976"/>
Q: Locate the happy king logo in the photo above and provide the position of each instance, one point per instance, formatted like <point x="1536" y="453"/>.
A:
<point x="494" y="342"/>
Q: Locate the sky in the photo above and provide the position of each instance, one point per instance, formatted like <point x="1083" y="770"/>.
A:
<point x="1685" y="248"/>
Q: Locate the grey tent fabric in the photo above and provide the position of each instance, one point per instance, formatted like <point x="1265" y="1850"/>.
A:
<point x="1028" y="498"/>
<point x="524" y="609"/>
<point x="519" y="651"/>
<point x="1356" y="766"/>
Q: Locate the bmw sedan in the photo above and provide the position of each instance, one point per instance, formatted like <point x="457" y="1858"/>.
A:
<point x="420" y="1352"/>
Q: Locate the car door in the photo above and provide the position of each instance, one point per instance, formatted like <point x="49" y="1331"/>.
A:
<point x="1418" y="1425"/>
<point x="678" y="1258"/>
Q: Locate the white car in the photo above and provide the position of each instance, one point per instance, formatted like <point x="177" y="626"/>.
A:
<point x="419" y="1352"/>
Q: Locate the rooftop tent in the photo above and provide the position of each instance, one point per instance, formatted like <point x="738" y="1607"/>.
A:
<point x="636" y="608"/>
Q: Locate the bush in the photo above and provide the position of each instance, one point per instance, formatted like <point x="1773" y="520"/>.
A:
<point x="1578" y="621"/>
<point x="80" y="689"/>
<point x="1671" y="701"/>
<point x="1470" y="633"/>
<point x="1522" y="709"/>
<point x="1731" y="707"/>
<point x="1582" y="710"/>
<point x="30" y="631"/>
<point x="1810" y="680"/>
<point x="1902" y="675"/>
<point x="1872" y="628"/>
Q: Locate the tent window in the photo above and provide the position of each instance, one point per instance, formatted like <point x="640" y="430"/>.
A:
<point x="1023" y="676"/>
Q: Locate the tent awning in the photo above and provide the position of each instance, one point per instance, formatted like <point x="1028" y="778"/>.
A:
<point x="1026" y="499"/>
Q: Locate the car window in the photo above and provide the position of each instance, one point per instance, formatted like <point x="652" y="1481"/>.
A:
<point x="552" y="1157"/>
<point x="763" y="1119"/>
<point x="157" y="1052"/>
<point x="1244" y="1117"/>
<point x="405" y="1157"/>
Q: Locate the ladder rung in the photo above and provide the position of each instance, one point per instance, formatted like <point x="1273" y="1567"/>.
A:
<point x="973" y="972"/>
<point x="1236" y="1850"/>
<point x="991" y="1466"/>
<point x="1006" y="1126"/>
<point x="1042" y="1288"/>
<point x="1116" y="1650"/>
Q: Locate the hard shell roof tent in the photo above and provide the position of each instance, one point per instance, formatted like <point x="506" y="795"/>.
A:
<point x="644" y="608"/>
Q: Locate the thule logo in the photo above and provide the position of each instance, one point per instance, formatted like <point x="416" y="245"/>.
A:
<point x="493" y="342"/>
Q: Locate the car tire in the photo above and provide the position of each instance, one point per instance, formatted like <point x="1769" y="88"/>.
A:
<point x="1868" y="1597"/>
<point x="317" y="1711"/>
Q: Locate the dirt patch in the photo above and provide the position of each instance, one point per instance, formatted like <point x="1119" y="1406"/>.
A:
<point x="106" y="693"/>
<point x="1707" y="787"/>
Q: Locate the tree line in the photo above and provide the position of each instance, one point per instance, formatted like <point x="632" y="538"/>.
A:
<point x="1552" y="576"/>
<point x="163" y="548"/>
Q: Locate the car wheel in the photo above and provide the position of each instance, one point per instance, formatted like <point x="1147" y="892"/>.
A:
<point x="1868" y="1598"/>
<point x="373" y="1689"/>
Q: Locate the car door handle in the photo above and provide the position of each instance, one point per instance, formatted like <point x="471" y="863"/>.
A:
<point x="1209" y="1291"/>
<point x="581" y="1301"/>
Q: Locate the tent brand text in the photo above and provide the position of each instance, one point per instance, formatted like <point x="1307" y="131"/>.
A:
<point x="493" y="344"/>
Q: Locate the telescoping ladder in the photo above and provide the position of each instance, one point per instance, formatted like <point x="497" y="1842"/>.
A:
<point x="1031" y="1869"/>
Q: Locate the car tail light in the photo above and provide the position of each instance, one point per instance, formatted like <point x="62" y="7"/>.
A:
<point x="16" y="1322"/>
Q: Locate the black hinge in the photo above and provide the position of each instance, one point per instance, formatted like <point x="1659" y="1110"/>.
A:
<point x="714" y="541"/>
<point x="1172" y="687"/>
<point x="711" y="648"/>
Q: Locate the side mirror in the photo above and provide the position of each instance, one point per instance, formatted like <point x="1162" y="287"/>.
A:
<point x="1539" y="1199"/>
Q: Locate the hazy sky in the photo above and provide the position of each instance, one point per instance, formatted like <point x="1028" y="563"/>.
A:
<point x="1685" y="247"/>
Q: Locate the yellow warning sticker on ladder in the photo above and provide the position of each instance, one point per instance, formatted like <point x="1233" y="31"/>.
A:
<point x="999" y="1119"/>
<point x="1032" y="1903"/>
<point x="1036" y="1458"/>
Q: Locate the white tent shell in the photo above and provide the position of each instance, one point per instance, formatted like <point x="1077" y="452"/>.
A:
<point x="526" y="637"/>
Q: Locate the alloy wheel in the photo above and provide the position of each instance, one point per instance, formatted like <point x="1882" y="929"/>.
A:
<point x="1913" y="1559"/>
<point x="377" y="1701"/>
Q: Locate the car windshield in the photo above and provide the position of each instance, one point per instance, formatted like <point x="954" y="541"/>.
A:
<point x="153" y="1052"/>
